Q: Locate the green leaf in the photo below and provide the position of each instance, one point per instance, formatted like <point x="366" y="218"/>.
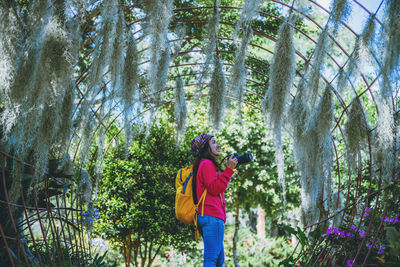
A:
<point x="302" y="237"/>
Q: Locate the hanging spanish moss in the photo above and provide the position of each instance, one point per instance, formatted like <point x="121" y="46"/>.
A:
<point x="280" y="164"/>
<point x="85" y="186"/>
<point x="216" y="93"/>
<point x="54" y="75"/>
<point x="384" y="140"/>
<point x="299" y="115"/>
<point x="211" y="41"/>
<point x="66" y="110"/>
<point x="340" y="10"/>
<point x="237" y="83"/>
<point x="303" y="7"/>
<point x="39" y="117"/>
<point x="59" y="11"/>
<point x="314" y="153"/>
<point x="391" y="45"/>
<point x="86" y="138"/>
<point x="247" y="13"/>
<point x="101" y="136"/>
<point x="360" y="54"/>
<point x="50" y="119"/>
<point x="101" y="59"/>
<point x="9" y="44"/>
<point x="281" y="75"/>
<point x="238" y="72"/>
<point x="129" y="90"/>
<point x="300" y="109"/>
<point x="29" y="55"/>
<point x="104" y="45"/>
<point x="160" y="80"/>
<point x="117" y="58"/>
<point x="367" y="37"/>
<point x="180" y="32"/>
<point x="74" y="35"/>
<point x="50" y="81"/>
<point x="356" y="132"/>
<point x="180" y="108"/>
<point x="159" y="14"/>
<point x="351" y="67"/>
<point x="318" y="62"/>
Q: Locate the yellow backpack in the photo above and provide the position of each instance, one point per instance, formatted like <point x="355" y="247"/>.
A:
<point x="185" y="209"/>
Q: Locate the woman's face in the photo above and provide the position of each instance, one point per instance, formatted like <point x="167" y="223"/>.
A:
<point x="214" y="147"/>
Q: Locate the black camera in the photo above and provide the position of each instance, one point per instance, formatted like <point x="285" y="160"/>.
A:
<point x="243" y="158"/>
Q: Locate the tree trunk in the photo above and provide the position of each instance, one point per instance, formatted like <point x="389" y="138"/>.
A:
<point x="152" y="258"/>
<point x="144" y="255"/>
<point x="149" y="255"/>
<point x="253" y="220"/>
<point x="127" y="247"/>
<point x="274" y="228"/>
<point x="235" y="236"/>
<point x="136" y="250"/>
<point x="260" y="222"/>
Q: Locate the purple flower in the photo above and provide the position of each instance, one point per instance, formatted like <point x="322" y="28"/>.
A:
<point x="362" y="233"/>
<point x="380" y="252"/>
<point x="383" y="246"/>
<point x="328" y="231"/>
<point x="367" y="209"/>
<point x="341" y="234"/>
<point x="371" y="246"/>
<point x="349" y="262"/>
<point x="348" y="234"/>
<point x="335" y="230"/>
<point x="353" y="227"/>
<point x="396" y="219"/>
<point x="386" y="219"/>
<point x="365" y="214"/>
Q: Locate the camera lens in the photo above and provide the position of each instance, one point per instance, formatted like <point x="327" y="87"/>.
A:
<point x="244" y="158"/>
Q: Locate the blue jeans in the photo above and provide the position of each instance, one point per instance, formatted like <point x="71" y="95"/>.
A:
<point x="212" y="231"/>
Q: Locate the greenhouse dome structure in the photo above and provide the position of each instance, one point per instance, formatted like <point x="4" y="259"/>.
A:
<point x="81" y="77"/>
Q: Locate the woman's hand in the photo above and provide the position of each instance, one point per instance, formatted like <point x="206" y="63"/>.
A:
<point x="231" y="162"/>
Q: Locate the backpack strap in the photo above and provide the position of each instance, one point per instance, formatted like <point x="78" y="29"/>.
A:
<point x="202" y="198"/>
<point x="186" y="182"/>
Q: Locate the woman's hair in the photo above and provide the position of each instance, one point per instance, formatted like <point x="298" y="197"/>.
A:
<point x="205" y="153"/>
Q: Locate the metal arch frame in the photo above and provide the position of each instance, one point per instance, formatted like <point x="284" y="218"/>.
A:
<point x="345" y="107"/>
<point x="269" y="37"/>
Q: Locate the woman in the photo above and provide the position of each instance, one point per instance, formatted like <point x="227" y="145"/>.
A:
<point x="211" y="215"/>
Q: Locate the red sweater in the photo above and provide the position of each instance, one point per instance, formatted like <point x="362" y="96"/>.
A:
<point x="215" y="183"/>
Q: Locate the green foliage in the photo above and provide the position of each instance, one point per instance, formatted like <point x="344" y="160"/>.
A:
<point x="375" y="233"/>
<point x="137" y="195"/>
<point x="254" y="251"/>
<point x="256" y="182"/>
<point x="98" y="260"/>
<point x="305" y="246"/>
